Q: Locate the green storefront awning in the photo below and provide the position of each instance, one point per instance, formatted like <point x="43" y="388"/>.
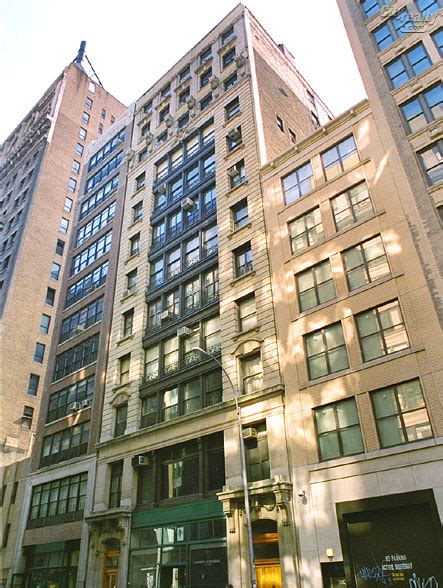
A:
<point x="203" y="509"/>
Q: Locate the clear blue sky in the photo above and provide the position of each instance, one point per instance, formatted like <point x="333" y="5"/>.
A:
<point x="131" y="44"/>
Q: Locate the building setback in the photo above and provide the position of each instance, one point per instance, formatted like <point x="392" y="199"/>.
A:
<point x="41" y="163"/>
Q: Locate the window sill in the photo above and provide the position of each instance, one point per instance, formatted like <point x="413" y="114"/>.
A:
<point x="121" y="387"/>
<point x="228" y="45"/>
<point x="349" y="294"/>
<point x="136" y="222"/>
<point x="232" y="190"/>
<point x="236" y="231"/>
<point x="124" y="339"/>
<point x="236" y="280"/>
<point x="201" y="68"/>
<point x="233" y="117"/>
<point x="245" y="334"/>
<point x="362" y="222"/>
<point x="132" y="293"/>
<point x="138" y="191"/>
<point x="390" y="357"/>
<point x="134" y="256"/>
<point x="327" y="378"/>
<point x="234" y="151"/>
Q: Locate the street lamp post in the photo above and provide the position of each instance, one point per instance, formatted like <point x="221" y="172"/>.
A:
<point x="243" y="468"/>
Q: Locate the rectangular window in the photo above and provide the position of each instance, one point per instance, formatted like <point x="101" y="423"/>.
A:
<point x="381" y="331"/>
<point x="205" y="55"/>
<point x="326" y="351"/>
<point x="165" y="91"/>
<point x="371" y="7"/>
<point x="437" y="37"/>
<point x="206" y="101"/>
<point x="76" y="357"/>
<point x="124" y="366"/>
<point x="103" y="172"/>
<point x="147" y="108"/>
<point x="84" y="259"/>
<point x="131" y="280"/>
<point x="44" y="324"/>
<point x="34" y="381"/>
<point x="55" y="271"/>
<point x="228" y="57"/>
<point x="423" y="108"/>
<point x="255" y="439"/>
<point x="338" y="430"/>
<point x="140" y="182"/>
<point x="86" y="118"/>
<point x="400" y="413"/>
<point x="50" y="296"/>
<point x="298" y="183"/>
<point x="306" y="231"/>
<point x="365" y="263"/>
<point x="227" y="36"/>
<point x="163" y="114"/>
<point x="98" y="197"/>
<point x="246" y="313"/>
<point x="232" y="108"/>
<point x="64" y="224"/>
<point x="230" y="81"/>
<point x="239" y="214"/>
<point x="280" y="123"/>
<point x="66" y="444"/>
<point x="183" y="121"/>
<point x="121" y="416"/>
<point x="68" y="204"/>
<point x="115" y="486"/>
<point x="82" y="133"/>
<point x="134" y="245"/>
<point x="352" y="206"/>
<point x="409" y="64"/>
<point x="315" y="286"/>
<point x="128" y="322"/>
<point x="72" y="185"/>
<point x="243" y="260"/>
<point x="428" y="7"/>
<point x="95" y="224"/>
<point x="392" y="29"/>
<point x="237" y="174"/>
<point x="81" y="319"/>
<point x="340" y="158"/>
<point x="61" y="402"/>
<point x="89" y="102"/>
<point x="57" y="497"/>
<point x="75" y="167"/>
<point x="79" y="149"/>
<point x="103" y="113"/>
<point x="27" y="417"/>
<point x="234" y="139"/>
<point x="292" y="136"/>
<point x="170" y="355"/>
<point x="205" y="77"/>
<point x="431" y="160"/>
<point x="87" y="284"/>
<point x="184" y="74"/>
<point x="152" y="355"/>
<point x="137" y="212"/>
<point x="251" y="373"/>
<point x="183" y="95"/>
<point x="39" y="352"/>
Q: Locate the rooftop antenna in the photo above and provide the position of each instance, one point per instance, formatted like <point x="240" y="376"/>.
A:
<point x="81" y="56"/>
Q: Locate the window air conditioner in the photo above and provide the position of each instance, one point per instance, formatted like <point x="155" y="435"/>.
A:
<point x="162" y="188"/>
<point x="86" y="403"/>
<point x="183" y="331"/>
<point x="74" y="406"/>
<point x="187" y="204"/>
<point x="250" y="437"/>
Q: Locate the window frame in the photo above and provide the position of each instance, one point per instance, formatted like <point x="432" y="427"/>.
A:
<point x="338" y="429"/>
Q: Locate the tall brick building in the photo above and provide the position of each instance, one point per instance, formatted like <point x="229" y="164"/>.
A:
<point x="41" y="163"/>
<point x="276" y="284"/>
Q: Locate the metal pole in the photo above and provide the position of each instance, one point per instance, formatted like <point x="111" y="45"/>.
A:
<point x="243" y="468"/>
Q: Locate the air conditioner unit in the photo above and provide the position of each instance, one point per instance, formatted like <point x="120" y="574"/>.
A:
<point x="183" y="331"/>
<point x="166" y="314"/>
<point x="141" y="461"/>
<point x="232" y="172"/>
<point x="74" y="406"/>
<point x="187" y="204"/>
<point x="250" y="437"/>
<point x="79" y="328"/>
<point x="86" y="402"/>
<point x="162" y="188"/>
<point x="234" y="134"/>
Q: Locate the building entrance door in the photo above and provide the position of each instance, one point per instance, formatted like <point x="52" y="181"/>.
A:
<point x="110" y="570"/>
<point x="268" y="573"/>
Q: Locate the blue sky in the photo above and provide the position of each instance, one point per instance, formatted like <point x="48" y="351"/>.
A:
<point x="131" y="44"/>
